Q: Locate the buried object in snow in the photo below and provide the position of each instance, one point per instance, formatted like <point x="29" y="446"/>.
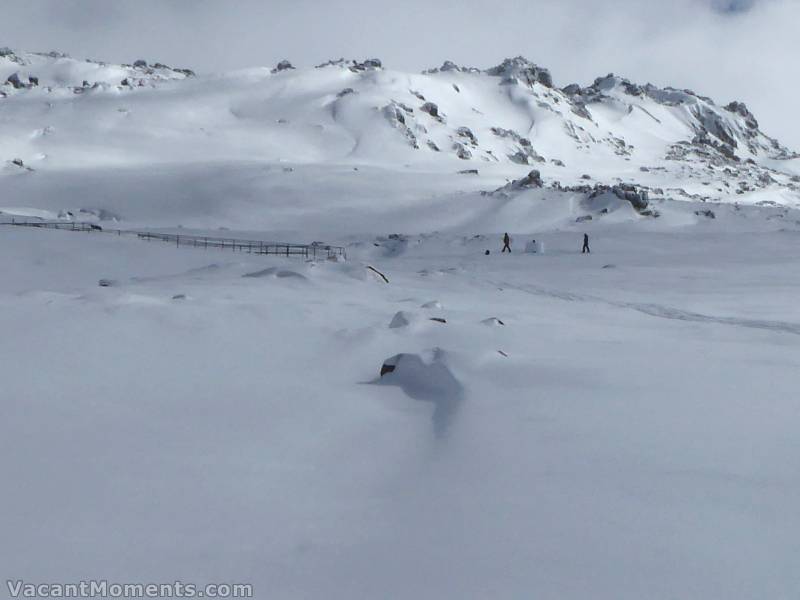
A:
<point x="426" y="381"/>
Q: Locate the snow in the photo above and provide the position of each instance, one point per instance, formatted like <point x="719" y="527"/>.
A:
<point x="614" y="425"/>
<point x="636" y="439"/>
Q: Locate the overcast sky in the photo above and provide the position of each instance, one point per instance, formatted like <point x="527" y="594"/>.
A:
<point x="727" y="49"/>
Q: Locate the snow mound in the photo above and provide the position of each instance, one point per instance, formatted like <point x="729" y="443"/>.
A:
<point x="277" y="273"/>
<point x="401" y="319"/>
<point x="426" y="381"/>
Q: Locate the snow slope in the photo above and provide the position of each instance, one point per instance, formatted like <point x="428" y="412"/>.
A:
<point x="614" y="425"/>
<point x="635" y="438"/>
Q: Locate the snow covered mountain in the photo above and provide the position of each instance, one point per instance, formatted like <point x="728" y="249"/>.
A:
<point x="429" y="418"/>
<point x="60" y="114"/>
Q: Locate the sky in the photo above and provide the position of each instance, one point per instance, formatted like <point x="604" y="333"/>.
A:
<point x="727" y="49"/>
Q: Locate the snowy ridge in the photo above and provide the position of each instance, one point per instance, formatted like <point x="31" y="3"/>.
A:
<point x="62" y="114"/>
<point x="56" y="71"/>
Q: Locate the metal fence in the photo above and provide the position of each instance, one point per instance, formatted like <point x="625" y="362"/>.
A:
<point x="249" y="246"/>
<point x="66" y="225"/>
<point x="314" y="250"/>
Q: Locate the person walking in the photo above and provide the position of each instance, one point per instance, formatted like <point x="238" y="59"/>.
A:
<point x="506" y="243"/>
<point x="586" y="244"/>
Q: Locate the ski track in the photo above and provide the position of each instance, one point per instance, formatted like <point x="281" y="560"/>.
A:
<point x="659" y="310"/>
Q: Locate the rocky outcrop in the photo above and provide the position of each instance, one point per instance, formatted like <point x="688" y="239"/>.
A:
<point x="462" y="151"/>
<point x="353" y="65"/>
<point x="449" y="66"/>
<point x="432" y="109"/>
<point x="284" y="65"/>
<point x="524" y="153"/>
<point x="521" y="70"/>
<point x="396" y="114"/>
<point x="740" y="108"/>
<point x="15" y="81"/>
<point x="638" y="197"/>
<point x="532" y="180"/>
<point x="466" y="133"/>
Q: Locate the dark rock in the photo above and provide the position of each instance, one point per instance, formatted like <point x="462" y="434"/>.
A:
<point x="461" y="151"/>
<point x="468" y="172"/>
<point x="388" y="367"/>
<point x="15" y="81"/>
<point x="33" y="81"/>
<point x="650" y="213"/>
<point x="367" y="65"/>
<point x="520" y="158"/>
<point x="140" y="64"/>
<point x="525" y="155"/>
<point x="339" y="62"/>
<point x="520" y="69"/>
<point x="740" y="108"/>
<point x="492" y="321"/>
<point x="450" y="66"/>
<point x="284" y="65"/>
<point x="531" y="180"/>
<point x="583" y="219"/>
<point x="466" y="132"/>
<point x="638" y="197"/>
<point x="706" y="213"/>
<point x="431" y="108"/>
